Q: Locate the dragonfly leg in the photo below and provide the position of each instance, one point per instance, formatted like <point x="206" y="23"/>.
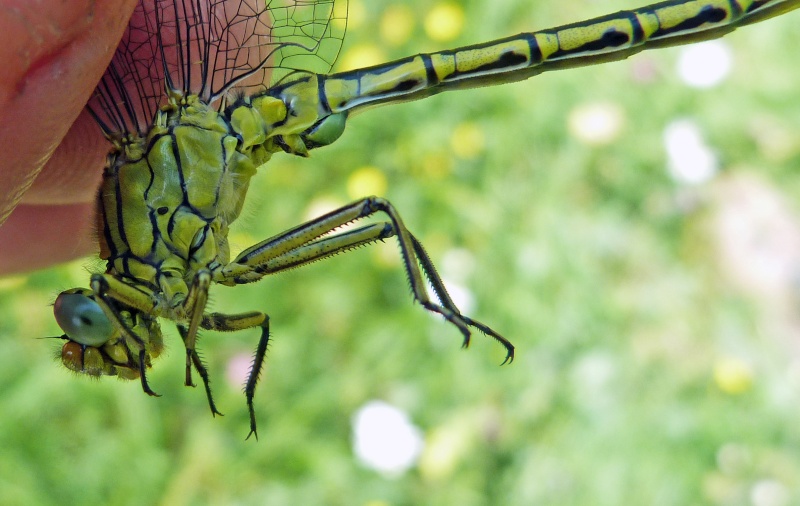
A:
<point x="194" y="305"/>
<point x="444" y="298"/>
<point x="201" y="370"/>
<point x="111" y="291"/>
<point x="143" y="374"/>
<point x="305" y="243"/>
<point x="228" y="323"/>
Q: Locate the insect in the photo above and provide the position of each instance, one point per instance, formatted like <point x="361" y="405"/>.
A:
<point x="201" y="94"/>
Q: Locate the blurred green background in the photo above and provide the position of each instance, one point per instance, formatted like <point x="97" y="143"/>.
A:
<point x="656" y="319"/>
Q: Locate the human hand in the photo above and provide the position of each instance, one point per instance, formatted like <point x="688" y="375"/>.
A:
<point x="51" y="153"/>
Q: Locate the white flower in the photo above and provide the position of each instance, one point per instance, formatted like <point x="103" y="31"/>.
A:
<point x="706" y="64"/>
<point x="384" y="439"/>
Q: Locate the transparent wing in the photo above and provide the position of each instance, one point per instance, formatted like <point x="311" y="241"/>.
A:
<point x="208" y="47"/>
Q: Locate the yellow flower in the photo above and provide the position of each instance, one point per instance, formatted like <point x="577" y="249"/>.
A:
<point x="444" y="22"/>
<point x="733" y="376"/>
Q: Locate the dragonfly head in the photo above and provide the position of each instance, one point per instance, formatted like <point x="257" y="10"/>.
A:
<point x="94" y="345"/>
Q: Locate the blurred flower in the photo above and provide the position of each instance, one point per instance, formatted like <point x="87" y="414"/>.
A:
<point x="467" y="140"/>
<point x="706" y="64"/>
<point x="320" y="206"/>
<point x="362" y="55"/>
<point x="758" y="239"/>
<point x="238" y="368"/>
<point x="690" y="160"/>
<point x="397" y="24"/>
<point x="458" y="264"/>
<point x="366" y="181"/>
<point x="384" y="439"/>
<point x="461" y="296"/>
<point x="643" y="70"/>
<point x="769" y="493"/>
<point x="597" y="123"/>
<point x="733" y="375"/>
<point x="444" y="22"/>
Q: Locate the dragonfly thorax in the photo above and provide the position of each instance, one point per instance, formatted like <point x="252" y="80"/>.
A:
<point x="168" y="198"/>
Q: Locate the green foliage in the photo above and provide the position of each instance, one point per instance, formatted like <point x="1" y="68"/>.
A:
<point x="645" y="373"/>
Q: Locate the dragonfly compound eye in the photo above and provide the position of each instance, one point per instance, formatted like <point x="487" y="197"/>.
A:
<point x="82" y="319"/>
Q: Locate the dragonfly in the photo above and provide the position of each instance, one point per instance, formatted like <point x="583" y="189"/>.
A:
<point x="200" y="94"/>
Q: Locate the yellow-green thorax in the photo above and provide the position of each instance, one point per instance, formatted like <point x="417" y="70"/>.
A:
<point x="168" y="197"/>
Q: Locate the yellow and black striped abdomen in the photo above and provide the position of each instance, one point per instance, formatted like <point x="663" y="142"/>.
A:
<point x="607" y="38"/>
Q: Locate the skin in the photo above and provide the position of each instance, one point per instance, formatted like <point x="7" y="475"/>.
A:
<point x="51" y="151"/>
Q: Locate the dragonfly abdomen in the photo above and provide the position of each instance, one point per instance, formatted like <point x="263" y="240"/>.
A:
<point x="607" y="38"/>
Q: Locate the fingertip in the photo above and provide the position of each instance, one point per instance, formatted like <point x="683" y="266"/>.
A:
<point x="65" y="48"/>
<point x="72" y="175"/>
<point x="39" y="236"/>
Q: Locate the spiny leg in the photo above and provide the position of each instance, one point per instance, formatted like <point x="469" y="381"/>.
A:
<point x="109" y="291"/>
<point x="250" y="264"/>
<point x="444" y="298"/>
<point x="227" y="323"/>
<point x="194" y="305"/>
<point x="201" y="370"/>
<point x="302" y="245"/>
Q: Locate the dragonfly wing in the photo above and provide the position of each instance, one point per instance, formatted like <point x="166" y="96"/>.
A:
<point x="210" y="47"/>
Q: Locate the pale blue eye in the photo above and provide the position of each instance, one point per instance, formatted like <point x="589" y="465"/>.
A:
<point x="82" y="320"/>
